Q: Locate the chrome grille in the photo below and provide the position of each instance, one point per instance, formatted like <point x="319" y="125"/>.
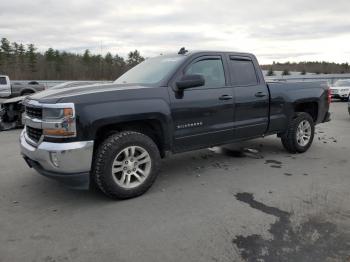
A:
<point x="34" y="133"/>
<point x="34" y="112"/>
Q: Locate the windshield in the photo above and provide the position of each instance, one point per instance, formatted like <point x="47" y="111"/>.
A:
<point x="342" y="83"/>
<point x="150" y="71"/>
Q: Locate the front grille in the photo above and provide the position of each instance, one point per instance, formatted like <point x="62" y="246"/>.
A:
<point x="34" y="112"/>
<point x="34" y="133"/>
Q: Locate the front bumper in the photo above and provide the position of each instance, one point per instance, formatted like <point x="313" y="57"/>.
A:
<point x="340" y="95"/>
<point x="69" y="163"/>
<point x="5" y="93"/>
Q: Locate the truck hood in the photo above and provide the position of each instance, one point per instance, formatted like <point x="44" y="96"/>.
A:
<point x="56" y="95"/>
<point x="14" y="100"/>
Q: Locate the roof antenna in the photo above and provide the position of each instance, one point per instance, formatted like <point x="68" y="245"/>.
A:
<point x="182" y="51"/>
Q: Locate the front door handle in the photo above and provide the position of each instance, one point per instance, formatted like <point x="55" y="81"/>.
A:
<point x="260" y="94"/>
<point x="225" y="97"/>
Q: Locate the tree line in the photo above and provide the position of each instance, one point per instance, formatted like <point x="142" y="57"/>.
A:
<point x="307" y="67"/>
<point x="24" y="62"/>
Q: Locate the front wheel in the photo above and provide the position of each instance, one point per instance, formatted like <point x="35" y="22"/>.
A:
<point x="300" y="134"/>
<point x="126" y="165"/>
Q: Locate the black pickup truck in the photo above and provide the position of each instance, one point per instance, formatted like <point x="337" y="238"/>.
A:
<point x="114" y="135"/>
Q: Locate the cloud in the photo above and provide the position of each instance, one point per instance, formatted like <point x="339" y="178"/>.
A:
<point x="274" y="30"/>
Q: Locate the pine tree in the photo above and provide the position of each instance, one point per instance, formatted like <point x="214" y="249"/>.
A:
<point x="6" y="47"/>
<point x="2" y="60"/>
<point x="32" y="58"/>
<point x="119" y="61"/>
<point x="86" y="57"/>
<point x="270" y="72"/>
<point x="58" y="63"/>
<point x="285" y="72"/>
<point x="14" y="59"/>
<point x="6" y="54"/>
<point x="134" y="58"/>
<point x="109" y="58"/>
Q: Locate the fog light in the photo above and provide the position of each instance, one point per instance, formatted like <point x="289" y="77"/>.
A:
<point x="54" y="159"/>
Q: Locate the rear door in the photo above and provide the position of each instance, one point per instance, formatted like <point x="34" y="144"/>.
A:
<point x="251" y="97"/>
<point x="203" y="116"/>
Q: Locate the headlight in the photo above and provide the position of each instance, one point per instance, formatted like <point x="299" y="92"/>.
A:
<point x="344" y="90"/>
<point x="52" y="113"/>
<point x="59" y="120"/>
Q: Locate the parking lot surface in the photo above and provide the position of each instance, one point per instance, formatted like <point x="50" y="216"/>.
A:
<point x="262" y="204"/>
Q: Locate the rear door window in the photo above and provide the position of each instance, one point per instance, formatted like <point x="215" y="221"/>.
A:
<point x="3" y="80"/>
<point x="243" y="72"/>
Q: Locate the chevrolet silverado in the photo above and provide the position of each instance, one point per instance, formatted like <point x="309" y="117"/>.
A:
<point x="114" y="135"/>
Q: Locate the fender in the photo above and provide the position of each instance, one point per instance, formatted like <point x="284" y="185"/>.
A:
<point x="93" y="117"/>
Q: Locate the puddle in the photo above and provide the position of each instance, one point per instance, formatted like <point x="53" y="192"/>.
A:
<point x="312" y="240"/>
<point x="273" y="162"/>
<point x="238" y="152"/>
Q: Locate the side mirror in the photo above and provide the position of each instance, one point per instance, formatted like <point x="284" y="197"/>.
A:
<point x="189" y="81"/>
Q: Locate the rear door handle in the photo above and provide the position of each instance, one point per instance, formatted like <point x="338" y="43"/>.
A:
<point x="260" y="94"/>
<point x="225" y="97"/>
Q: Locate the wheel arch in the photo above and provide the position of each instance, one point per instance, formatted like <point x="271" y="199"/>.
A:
<point x="150" y="127"/>
<point x="310" y="107"/>
<point x="27" y="90"/>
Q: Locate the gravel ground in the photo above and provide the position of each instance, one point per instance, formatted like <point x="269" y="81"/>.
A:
<point x="262" y="204"/>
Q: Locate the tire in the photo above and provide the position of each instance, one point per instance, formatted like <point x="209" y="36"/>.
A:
<point x="110" y="171"/>
<point x="299" y="144"/>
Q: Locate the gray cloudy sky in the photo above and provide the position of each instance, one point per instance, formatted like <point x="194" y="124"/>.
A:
<point x="274" y="30"/>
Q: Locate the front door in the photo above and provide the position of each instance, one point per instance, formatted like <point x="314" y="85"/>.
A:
<point x="203" y="116"/>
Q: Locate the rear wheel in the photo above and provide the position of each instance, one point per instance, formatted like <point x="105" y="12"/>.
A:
<point x="300" y="134"/>
<point x="126" y="165"/>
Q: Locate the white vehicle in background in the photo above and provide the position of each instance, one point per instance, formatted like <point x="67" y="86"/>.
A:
<point x="18" y="88"/>
<point x="5" y="86"/>
<point x="341" y="89"/>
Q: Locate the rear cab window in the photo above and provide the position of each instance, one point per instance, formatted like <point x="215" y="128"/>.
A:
<point x="242" y="71"/>
<point x="3" y="80"/>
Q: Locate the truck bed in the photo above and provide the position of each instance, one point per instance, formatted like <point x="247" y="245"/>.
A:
<point x="284" y="96"/>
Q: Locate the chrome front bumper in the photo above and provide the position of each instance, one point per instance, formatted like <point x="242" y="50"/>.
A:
<point x="5" y="93"/>
<point x="59" y="160"/>
<point x="340" y="94"/>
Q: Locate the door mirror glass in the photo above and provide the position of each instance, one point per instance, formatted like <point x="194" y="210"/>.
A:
<point x="189" y="81"/>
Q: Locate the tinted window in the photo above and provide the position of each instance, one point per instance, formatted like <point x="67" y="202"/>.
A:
<point x="211" y="69"/>
<point x="243" y="72"/>
<point x="3" y="81"/>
